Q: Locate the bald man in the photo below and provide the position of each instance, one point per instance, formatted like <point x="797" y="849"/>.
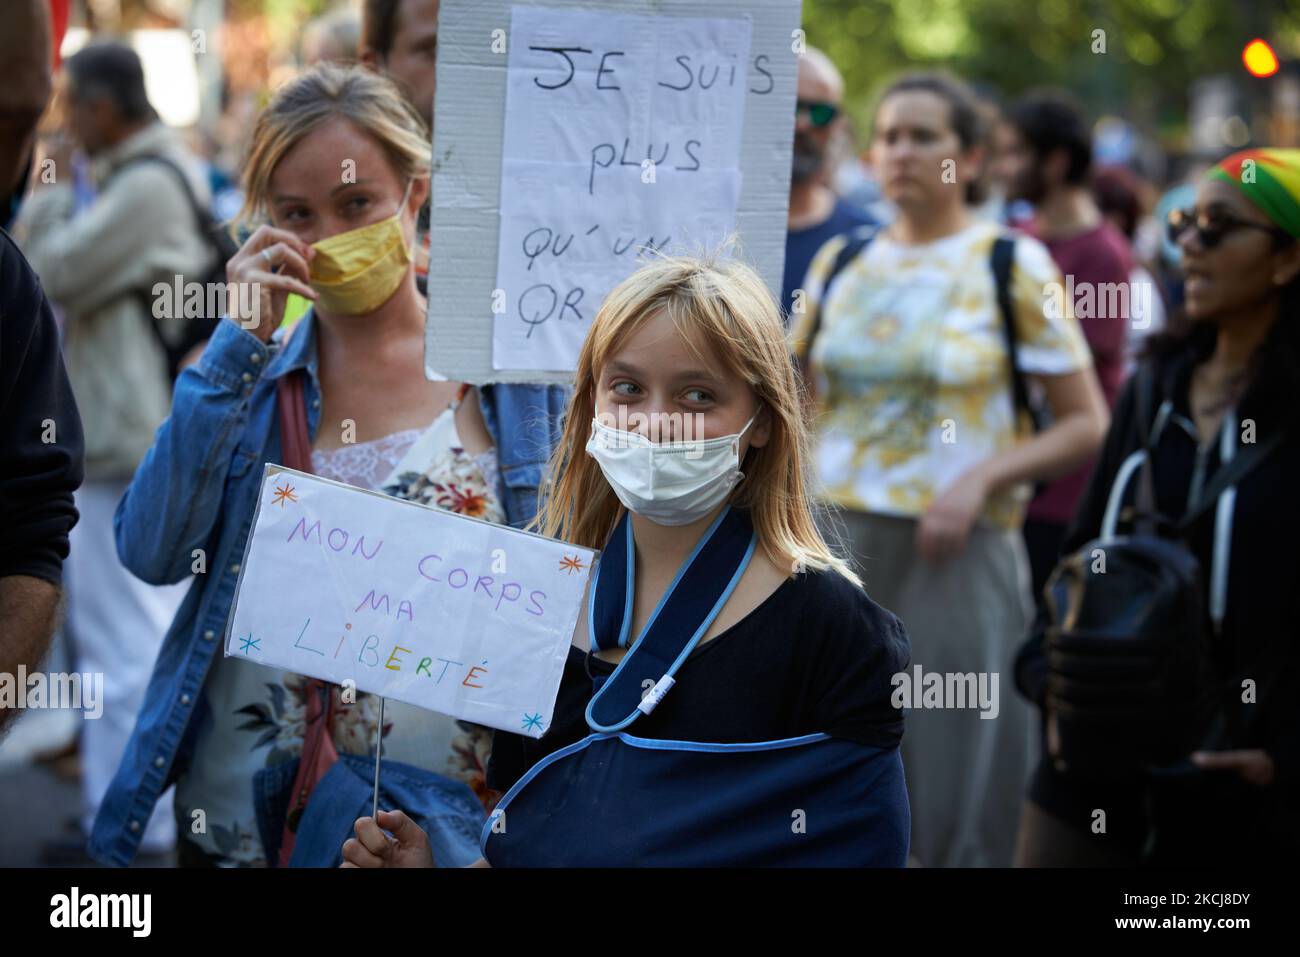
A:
<point x="816" y="213"/>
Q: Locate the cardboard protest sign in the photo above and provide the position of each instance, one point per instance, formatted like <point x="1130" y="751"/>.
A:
<point x="572" y="137"/>
<point x="612" y="144"/>
<point x="436" y="609"/>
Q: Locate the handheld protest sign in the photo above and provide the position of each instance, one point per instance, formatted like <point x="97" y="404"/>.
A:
<point x="442" y="611"/>
<point x="572" y="135"/>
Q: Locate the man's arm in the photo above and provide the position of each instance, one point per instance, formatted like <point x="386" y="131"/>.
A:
<point x="41" y="459"/>
<point x="28" y="614"/>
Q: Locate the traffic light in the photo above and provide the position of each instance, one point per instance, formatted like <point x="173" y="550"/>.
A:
<point x="1259" y="58"/>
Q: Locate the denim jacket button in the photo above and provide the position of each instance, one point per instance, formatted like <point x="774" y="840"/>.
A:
<point x="159" y="762"/>
<point x="315" y="403"/>
<point x="134" y="826"/>
<point x="185" y="699"/>
<point x="234" y="569"/>
<point x="248" y="377"/>
<point x="255" y="358"/>
<point x="209" y="635"/>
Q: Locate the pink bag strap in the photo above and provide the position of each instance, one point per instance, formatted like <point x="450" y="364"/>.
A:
<point x="318" y="752"/>
<point x="291" y="398"/>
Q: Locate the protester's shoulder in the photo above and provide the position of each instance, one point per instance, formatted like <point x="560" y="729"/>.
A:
<point x="825" y="255"/>
<point x="1106" y="254"/>
<point x="841" y="620"/>
<point x="159" y="173"/>
<point x="1158" y="375"/>
<point x="823" y="261"/>
<point x="850" y="650"/>
<point x="1032" y="259"/>
<point x="20" y="289"/>
<point x="850" y="215"/>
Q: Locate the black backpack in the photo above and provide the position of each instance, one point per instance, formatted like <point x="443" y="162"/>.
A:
<point x="179" y="334"/>
<point x="1001" y="261"/>
<point x="1127" y="637"/>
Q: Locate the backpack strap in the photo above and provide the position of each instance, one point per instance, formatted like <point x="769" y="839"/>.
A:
<point x="1002" y="260"/>
<point x="211" y="233"/>
<point x="1228" y="475"/>
<point x="291" y="403"/>
<point x="1146" y="385"/>
<point x="858" y="240"/>
<point x="318" y="751"/>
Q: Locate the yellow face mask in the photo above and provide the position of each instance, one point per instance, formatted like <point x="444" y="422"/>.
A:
<point x="358" y="271"/>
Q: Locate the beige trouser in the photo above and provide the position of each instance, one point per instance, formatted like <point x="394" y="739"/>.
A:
<point x="966" y="775"/>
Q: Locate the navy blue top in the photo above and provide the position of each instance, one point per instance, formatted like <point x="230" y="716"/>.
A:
<point x="816" y="655"/>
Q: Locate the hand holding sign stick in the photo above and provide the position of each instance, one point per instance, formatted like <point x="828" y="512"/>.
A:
<point x="379" y="743"/>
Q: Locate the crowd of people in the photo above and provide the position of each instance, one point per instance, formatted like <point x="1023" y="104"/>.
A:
<point x="984" y="367"/>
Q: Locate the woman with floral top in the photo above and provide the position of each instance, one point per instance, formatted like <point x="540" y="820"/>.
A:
<point x="918" y="443"/>
<point x="214" y="725"/>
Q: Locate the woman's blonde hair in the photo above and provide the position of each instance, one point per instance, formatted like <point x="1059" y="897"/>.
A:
<point x="721" y="307"/>
<point x="326" y="91"/>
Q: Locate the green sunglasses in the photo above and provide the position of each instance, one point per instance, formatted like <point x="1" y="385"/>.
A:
<point x="820" y="114"/>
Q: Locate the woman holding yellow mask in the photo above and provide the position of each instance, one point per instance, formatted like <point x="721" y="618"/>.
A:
<point x="337" y="171"/>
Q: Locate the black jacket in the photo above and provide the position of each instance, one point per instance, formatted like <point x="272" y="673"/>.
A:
<point x="1260" y="638"/>
<point x="40" y="430"/>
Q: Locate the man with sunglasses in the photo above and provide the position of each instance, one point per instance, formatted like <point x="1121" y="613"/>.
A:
<point x="817" y="214"/>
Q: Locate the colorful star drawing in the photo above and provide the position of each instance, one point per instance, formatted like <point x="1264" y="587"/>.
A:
<point x="571" y="564"/>
<point x="250" y="643"/>
<point x="283" y="493"/>
<point x="532" y="721"/>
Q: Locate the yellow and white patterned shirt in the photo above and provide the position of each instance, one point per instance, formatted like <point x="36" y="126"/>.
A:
<point x="911" y="368"/>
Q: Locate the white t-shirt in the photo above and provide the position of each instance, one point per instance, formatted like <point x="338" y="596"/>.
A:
<point x="911" y="368"/>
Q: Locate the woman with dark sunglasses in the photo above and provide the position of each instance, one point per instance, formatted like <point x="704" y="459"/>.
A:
<point x="1225" y="377"/>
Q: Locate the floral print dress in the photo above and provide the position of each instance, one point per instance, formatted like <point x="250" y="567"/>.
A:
<point x="257" y="715"/>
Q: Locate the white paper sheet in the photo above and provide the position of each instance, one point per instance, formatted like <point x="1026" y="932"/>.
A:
<point x="622" y="133"/>
<point x="446" y="612"/>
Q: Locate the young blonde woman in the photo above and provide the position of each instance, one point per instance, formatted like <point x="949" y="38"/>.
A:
<point x="726" y="698"/>
<point x="337" y="172"/>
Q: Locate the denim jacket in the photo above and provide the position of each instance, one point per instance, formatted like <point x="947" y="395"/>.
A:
<point x="189" y="510"/>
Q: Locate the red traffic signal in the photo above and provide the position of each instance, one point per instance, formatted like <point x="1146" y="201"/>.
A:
<point x="1259" y="58"/>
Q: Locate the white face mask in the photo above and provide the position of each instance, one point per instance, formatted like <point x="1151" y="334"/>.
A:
<point x="670" y="483"/>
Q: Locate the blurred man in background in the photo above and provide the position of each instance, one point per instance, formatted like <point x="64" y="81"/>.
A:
<point x="100" y="265"/>
<point x="334" y="37"/>
<point x="400" y="38"/>
<point x="816" y="214"/>
<point x="1044" y="156"/>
